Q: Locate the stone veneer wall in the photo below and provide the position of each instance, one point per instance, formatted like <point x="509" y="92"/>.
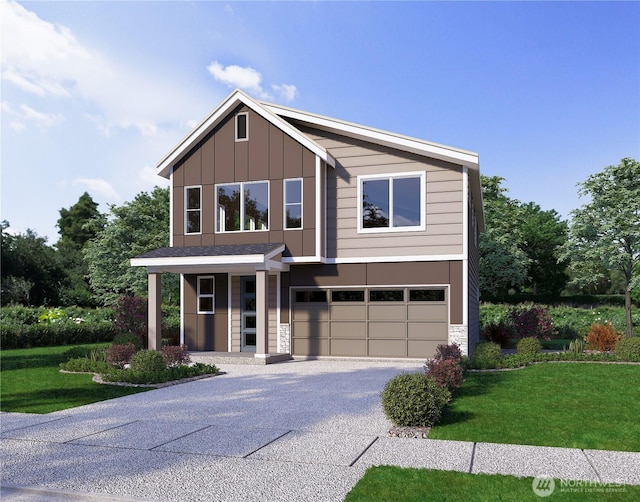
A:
<point x="284" y="339"/>
<point x="458" y="334"/>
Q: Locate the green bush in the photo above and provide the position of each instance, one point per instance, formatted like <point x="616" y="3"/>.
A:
<point x="529" y="346"/>
<point x="153" y="377"/>
<point x="148" y="361"/>
<point x="576" y="346"/>
<point x="17" y="336"/>
<point x="414" y="399"/>
<point x="486" y="355"/>
<point x="77" y="353"/>
<point x="125" y="338"/>
<point x="85" y="365"/>
<point x="628" y="349"/>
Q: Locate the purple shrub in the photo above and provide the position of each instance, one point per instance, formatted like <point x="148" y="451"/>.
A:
<point x="131" y="316"/>
<point x="535" y="322"/>
<point x="176" y="355"/>
<point x="447" y="373"/>
<point x="448" y="352"/>
<point x="119" y="355"/>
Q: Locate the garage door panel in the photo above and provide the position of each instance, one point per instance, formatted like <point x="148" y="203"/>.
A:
<point x="348" y="312"/>
<point x="428" y="331"/>
<point x="352" y="348"/>
<point x="423" y="348"/>
<point x="310" y="347"/>
<point x="387" y="312"/>
<point x="311" y="330"/>
<point x="307" y="312"/>
<point x="356" y="329"/>
<point x="387" y="348"/>
<point x="387" y="329"/>
<point x="427" y="312"/>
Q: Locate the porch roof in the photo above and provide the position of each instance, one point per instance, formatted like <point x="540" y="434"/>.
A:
<point x="208" y="259"/>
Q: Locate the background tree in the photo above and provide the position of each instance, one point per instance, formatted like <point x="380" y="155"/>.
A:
<point x="31" y="272"/>
<point x="543" y="234"/>
<point x="132" y="229"/>
<point x="76" y="226"/>
<point x="503" y="263"/>
<point x="604" y="234"/>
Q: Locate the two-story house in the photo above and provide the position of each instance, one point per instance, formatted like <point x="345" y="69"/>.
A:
<point x="299" y="234"/>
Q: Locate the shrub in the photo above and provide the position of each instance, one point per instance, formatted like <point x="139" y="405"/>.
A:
<point x="532" y="321"/>
<point x="486" y="355"/>
<point x="16" y="336"/>
<point x="529" y="346"/>
<point x="175" y="355"/>
<point x="85" y="365"/>
<point x="500" y="333"/>
<point x="451" y="351"/>
<point x="119" y="355"/>
<point x="576" y="346"/>
<point x="628" y="349"/>
<point x="446" y="372"/>
<point x="124" y="338"/>
<point x="414" y="399"/>
<point x="76" y="353"/>
<point x="603" y="337"/>
<point x="148" y="361"/>
<point x="131" y="316"/>
<point x="152" y="377"/>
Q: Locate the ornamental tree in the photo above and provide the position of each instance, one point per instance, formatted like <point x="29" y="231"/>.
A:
<point x="604" y="234"/>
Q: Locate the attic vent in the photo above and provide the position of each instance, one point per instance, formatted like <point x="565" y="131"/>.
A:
<point x="242" y="127"/>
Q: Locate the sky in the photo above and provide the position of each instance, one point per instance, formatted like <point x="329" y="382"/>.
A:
<point x="95" y="93"/>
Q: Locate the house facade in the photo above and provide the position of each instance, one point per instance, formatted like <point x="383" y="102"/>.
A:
<point x="299" y="234"/>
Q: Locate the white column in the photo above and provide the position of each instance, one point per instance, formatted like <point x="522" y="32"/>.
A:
<point x="155" y="312"/>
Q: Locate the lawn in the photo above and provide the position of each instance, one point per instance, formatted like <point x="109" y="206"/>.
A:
<point x="396" y="484"/>
<point x="573" y="405"/>
<point x="31" y="382"/>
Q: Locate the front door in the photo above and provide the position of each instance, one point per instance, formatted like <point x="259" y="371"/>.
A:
<point x="248" y="313"/>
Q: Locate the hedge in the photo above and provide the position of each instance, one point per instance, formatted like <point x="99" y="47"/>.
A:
<point x="15" y="336"/>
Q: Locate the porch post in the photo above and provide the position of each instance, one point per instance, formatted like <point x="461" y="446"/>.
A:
<point x="155" y="312"/>
<point x="262" y="313"/>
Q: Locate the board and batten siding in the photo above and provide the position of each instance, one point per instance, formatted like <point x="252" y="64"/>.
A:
<point x="236" y="318"/>
<point x="444" y="204"/>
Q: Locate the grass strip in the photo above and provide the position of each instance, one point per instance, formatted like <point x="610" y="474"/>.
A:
<point x="397" y="484"/>
<point x="31" y="382"/>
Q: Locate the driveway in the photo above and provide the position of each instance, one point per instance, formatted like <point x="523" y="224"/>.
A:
<point x="298" y="430"/>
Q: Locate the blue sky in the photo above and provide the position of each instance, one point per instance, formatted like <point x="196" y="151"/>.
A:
<point x="95" y="93"/>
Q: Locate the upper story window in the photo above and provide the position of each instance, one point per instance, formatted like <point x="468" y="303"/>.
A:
<point x="193" y="211"/>
<point x="391" y="203"/>
<point x="242" y="207"/>
<point x="242" y="126"/>
<point x="293" y="203"/>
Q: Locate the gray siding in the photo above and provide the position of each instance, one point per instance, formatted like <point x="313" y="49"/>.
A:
<point x="473" y="281"/>
<point x="444" y="204"/>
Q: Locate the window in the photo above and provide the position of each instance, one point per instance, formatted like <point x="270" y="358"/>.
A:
<point x="426" y="295"/>
<point x="242" y="206"/>
<point x="386" y="295"/>
<point x="242" y="127"/>
<point x="193" y="204"/>
<point x="314" y="296"/>
<point x="347" y="296"/>
<point x="391" y="202"/>
<point x="293" y="203"/>
<point x="205" y="294"/>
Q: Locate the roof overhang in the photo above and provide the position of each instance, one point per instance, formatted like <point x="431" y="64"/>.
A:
<point x="235" y="99"/>
<point x="212" y="259"/>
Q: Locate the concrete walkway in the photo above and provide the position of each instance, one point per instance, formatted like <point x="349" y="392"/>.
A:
<point x="300" y="430"/>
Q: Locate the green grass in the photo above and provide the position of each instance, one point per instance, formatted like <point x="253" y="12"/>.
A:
<point x="573" y="405"/>
<point x="31" y="382"/>
<point x="396" y="484"/>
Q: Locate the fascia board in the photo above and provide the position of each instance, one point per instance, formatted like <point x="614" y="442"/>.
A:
<point x="379" y="136"/>
<point x="251" y="259"/>
<point x="209" y="123"/>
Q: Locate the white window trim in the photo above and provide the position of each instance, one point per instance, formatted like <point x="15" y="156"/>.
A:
<point x="242" y="185"/>
<point x="212" y="295"/>
<point x="186" y="209"/>
<point x="285" y="204"/>
<point x="391" y="176"/>
<point x="246" y="124"/>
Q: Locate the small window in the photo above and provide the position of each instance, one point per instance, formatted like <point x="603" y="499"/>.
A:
<point x="205" y="295"/>
<point x="293" y="203"/>
<point x="386" y="295"/>
<point x="242" y="127"/>
<point x="318" y="296"/>
<point x="426" y="295"/>
<point x="347" y="296"/>
<point x="193" y="204"/>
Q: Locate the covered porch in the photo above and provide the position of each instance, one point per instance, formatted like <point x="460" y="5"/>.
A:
<point x="229" y="299"/>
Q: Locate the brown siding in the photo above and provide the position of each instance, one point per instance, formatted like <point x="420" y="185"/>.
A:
<point x="456" y="292"/>
<point x="268" y="154"/>
<point x="205" y="331"/>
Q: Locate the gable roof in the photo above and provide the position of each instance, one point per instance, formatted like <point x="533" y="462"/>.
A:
<point x="234" y="99"/>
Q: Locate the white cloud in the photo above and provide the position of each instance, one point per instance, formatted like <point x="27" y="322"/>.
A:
<point x="99" y="186"/>
<point x="246" y="78"/>
<point x="41" y="119"/>
<point x="288" y="92"/>
<point x="149" y="178"/>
